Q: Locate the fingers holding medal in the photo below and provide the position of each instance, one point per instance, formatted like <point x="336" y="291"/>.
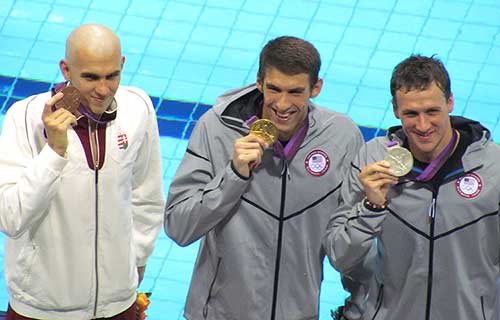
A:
<point x="377" y="178"/>
<point x="70" y="100"/>
<point x="265" y="129"/>
<point x="248" y="150"/>
<point x="400" y="159"/>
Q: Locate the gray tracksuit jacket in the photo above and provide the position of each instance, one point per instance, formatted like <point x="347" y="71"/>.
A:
<point x="260" y="255"/>
<point x="438" y="242"/>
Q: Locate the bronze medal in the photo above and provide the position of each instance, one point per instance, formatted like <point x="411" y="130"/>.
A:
<point x="70" y="100"/>
<point x="265" y="129"/>
<point x="401" y="160"/>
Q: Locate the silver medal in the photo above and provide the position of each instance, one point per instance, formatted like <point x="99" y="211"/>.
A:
<point x="401" y="160"/>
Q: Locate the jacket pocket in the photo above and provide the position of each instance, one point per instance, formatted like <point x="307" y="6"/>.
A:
<point x="380" y="298"/>
<point x="46" y="280"/>
<point x="482" y="308"/>
<point x="24" y="266"/>
<point x="209" y="296"/>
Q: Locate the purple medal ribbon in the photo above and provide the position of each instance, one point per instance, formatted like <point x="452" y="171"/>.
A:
<point x="291" y="148"/>
<point x="86" y="112"/>
<point x="438" y="162"/>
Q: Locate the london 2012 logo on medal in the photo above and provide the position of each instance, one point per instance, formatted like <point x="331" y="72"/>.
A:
<point x="317" y="163"/>
<point x="469" y="186"/>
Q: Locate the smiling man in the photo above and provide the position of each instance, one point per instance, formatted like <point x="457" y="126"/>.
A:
<point x="81" y="198"/>
<point x="261" y="209"/>
<point x="436" y="229"/>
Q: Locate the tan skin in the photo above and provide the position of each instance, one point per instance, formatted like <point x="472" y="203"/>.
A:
<point x="286" y="99"/>
<point x="425" y="119"/>
<point x="93" y="65"/>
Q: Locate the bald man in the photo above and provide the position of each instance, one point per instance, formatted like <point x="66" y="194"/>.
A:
<point x="81" y="196"/>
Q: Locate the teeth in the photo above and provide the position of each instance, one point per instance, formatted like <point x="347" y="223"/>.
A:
<point x="282" y="115"/>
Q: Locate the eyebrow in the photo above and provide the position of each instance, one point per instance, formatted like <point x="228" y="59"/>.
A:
<point x="96" y="76"/>
<point x="430" y="109"/>
<point x="292" y="90"/>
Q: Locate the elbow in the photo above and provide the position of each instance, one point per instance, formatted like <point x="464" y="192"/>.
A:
<point x="12" y="225"/>
<point x="180" y="240"/>
<point x="338" y="253"/>
<point x="177" y="234"/>
<point x="14" y="232"/>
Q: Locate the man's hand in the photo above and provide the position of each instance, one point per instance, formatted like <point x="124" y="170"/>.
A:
<point x="56" y="125"/>
<point x="140" y="273"/>
<point x="248" y="153"/>
<point x="377" y="178"/>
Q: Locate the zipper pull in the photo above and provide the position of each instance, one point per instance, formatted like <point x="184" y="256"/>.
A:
<point x="432" y="211"/>
<point x="288" y="174"/>
<point x="284" y="169"/>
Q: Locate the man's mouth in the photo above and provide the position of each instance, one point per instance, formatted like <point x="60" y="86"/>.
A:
<point x="99" y="99"/>
<point x="282" y="116"/>
<point x="424" y="135"/>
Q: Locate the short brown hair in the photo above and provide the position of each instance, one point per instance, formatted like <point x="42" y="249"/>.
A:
<point x="418" y="72"/>
<point x="291" y="56"/>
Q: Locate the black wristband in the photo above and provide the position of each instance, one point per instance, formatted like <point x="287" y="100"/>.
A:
<point x="374" y="207"/>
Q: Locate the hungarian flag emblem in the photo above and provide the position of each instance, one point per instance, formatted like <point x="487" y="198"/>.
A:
<point x="122" y="141"/>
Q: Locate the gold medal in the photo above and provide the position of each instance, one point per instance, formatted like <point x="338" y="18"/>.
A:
<point x="265" y="129"/>
<point x="70" y="100"/>
<point x="401" y="160"/>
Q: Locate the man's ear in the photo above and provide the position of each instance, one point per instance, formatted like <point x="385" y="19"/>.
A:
<point x="63" y="65"/>
<point x="260" y="84"/>
<point x="316" y="89"/>
<point x="395" y="108"/>
<point x="451" y="103"/>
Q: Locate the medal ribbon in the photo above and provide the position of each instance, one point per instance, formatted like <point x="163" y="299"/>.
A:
<point x="438" y="162"/>
<point x="291" y="148"/>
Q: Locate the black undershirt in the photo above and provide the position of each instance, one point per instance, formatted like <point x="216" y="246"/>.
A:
<point x="453" y="163"/>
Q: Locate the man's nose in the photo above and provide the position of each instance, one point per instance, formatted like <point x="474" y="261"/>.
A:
<point x="423" y="123"/>
<point x="102" y="88"/>
<point x="283" y="102"/>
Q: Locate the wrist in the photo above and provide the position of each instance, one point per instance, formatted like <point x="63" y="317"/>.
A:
<point x="373" y="206"/>
<point x="239" y="174"/>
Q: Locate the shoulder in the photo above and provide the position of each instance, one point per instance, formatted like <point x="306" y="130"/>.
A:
<point x="377" y="143"/>
<point x="374" y="150"/>
<point x="127" y="96"/>
<point x="491" y="150"/>
<point x="330" y="118"/>
<point x="335" y="125"/>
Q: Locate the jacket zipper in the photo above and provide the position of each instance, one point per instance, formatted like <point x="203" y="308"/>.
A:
<point x="94" y="150"/>
<point x="284" y="176"/>
<point x="432" y="214"/>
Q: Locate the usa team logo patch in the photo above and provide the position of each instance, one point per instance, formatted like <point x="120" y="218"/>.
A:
<point x="469" y="186"/>
<point x="122" y="141"/>
<point x="317" y="163"/>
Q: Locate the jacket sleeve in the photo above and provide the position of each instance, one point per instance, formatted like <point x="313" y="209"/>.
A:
<point x="199" y="197"/>
<point x="29" y="177"/>
<point x="352" y="228"/>
<point x="147" y="190"/>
